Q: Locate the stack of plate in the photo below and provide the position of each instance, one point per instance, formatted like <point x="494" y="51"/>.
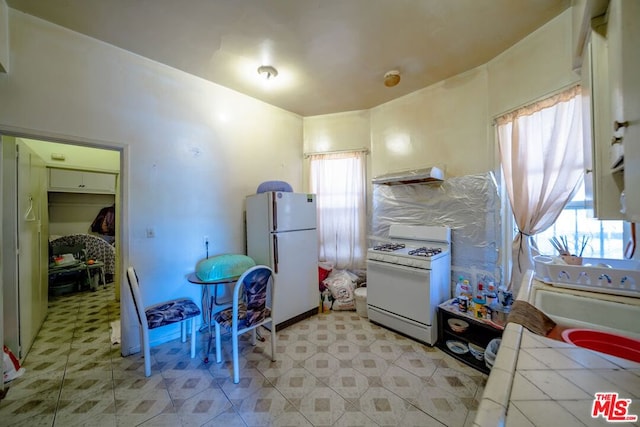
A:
<point x="457" y="325"/>
<point x="476" y="351"/>
<point x="458" y="347"/>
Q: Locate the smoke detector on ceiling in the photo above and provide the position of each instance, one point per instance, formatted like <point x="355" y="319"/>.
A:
<point x="391" y="78"/>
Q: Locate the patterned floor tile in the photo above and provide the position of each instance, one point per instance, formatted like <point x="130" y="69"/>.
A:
<point x="383" y="406"/>
<point x="291" y="419"/>
<point x="86" y="412"/>
<point x="301" y="350"/>
<point x="202" y="407"/>
<point x="132" y="387"/>
<point x="417" y="418"/>
<point x="455" y="382"/>
<point x="183" y="384"/>
<point x="388" y="350"/>
<point x="370" y="364"/>
<point x="295" y="383"/>
<point x="263" y="407"/>
<point x="42" y="386"/>
<point x="349" y="383"/>
<point x="417" y="363"/>
<point x="137" y="411"/>
<point x="402" y="383"/>
<point x="442" y="405"/>
<point x="322" y="406"/>
<point x="271" y="369"/>
<point x="251" y="381"/>
<point x="345" y="350"/>
<point x="322" y="365"/>
<point x="331" y="369"/>
<point x="24" y="411"/>
<point x="355" y="419"/>
<point x="229" y="418"/>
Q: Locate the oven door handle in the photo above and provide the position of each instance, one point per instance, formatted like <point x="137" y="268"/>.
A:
<point x="390" y="265"/>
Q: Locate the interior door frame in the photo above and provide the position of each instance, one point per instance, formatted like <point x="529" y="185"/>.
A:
<point x="122" y="227"/>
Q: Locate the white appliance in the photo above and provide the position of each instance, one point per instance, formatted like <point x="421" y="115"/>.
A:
<point x="281" y="233"/>
<point x="408" y="277"/>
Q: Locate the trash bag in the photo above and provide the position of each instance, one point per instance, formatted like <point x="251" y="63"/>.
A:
<point x="11" y="366"/>
<point x="342" y="284"/>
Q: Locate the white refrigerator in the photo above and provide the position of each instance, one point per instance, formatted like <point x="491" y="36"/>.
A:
<point x="281" y="233"/>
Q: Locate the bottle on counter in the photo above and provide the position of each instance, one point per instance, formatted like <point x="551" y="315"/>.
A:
<point x="466" y="289"/>
<point x="479" y="302"/>
<point x="491" y="295"/>
<point x="459" y="287"/>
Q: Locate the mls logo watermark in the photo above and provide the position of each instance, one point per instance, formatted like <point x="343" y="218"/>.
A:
<point x="612" y="408"/>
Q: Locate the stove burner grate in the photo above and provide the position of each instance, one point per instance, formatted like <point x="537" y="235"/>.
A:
<point x="425" y="252"/>
<point x="389" y="247"/>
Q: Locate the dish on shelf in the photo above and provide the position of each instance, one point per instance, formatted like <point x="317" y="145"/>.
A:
<point x="457" y="325"/>
<point x="476" y="351"/>
<point x="458" y="347"/>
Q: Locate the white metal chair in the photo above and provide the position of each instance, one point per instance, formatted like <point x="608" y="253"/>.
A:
<point x="248" y="311"/>
<point x="162" y="314"/>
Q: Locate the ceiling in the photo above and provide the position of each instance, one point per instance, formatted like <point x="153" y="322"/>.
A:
<point x="331" y="55"/>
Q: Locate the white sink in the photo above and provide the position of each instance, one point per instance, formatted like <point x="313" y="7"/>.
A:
<point x="592" y="310"/>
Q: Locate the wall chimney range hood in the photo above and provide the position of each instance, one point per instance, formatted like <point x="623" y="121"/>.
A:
<point x="432" y="175"/>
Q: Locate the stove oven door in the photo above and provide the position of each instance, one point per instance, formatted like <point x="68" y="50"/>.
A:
<point x="401" y="290"/>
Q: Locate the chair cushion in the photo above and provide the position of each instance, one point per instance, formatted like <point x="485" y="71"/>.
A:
<point x="223" y="266"/>
<point x="224" y="317"/>
<point x="171" y="312"/>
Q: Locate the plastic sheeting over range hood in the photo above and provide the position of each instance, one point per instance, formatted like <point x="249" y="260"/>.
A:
<point x="427" y="175"/>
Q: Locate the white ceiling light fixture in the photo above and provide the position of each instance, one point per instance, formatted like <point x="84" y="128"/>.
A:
<point x="391" y="78"/>
<point x="267" y="72"/>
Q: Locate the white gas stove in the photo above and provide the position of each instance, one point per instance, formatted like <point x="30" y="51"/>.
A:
<point x="408" y="276"/>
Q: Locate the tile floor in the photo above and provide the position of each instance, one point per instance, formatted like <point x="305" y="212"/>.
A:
<point x="334" y="369"/>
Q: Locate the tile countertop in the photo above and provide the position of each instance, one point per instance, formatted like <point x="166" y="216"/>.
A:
<point x="538" y="381"/>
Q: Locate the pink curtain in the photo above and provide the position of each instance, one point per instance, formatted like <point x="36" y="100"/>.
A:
<point x="338" y="180"/>
<point x="543" y="165"/>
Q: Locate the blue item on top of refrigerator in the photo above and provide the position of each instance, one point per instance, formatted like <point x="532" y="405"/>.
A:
<point x="274" y="186"/>
<point x="223" y="266"/>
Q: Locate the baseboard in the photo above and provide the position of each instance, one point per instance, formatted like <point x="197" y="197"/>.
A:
<point x="280" y="326"/>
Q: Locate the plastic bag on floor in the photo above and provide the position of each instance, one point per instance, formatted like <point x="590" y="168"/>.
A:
<point x="11" y="365"/>
<point x="342" y="284"/>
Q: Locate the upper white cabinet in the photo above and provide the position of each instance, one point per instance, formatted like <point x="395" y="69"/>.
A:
<point x="613" y="81"/>
<point x="67" y="180"/>
<point x="623" y="38"/>
<point x="607" y="186"/>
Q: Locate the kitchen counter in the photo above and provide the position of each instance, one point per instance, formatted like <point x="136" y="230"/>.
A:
<point x="538" y="381"/>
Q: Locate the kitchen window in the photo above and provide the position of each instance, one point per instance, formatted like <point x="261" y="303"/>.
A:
<point x="339" y="182"/>
<point x="576" y="220"/>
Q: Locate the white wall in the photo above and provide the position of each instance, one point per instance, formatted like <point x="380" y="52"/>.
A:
<point x="336" y="132"/>
<point x="540" y="64"/>
<point x="192" y="150"/>
<point x="443" y="125"/>
<point x="449" y="124"/>
<point x="4" y="37"/>
<point x="76" y="157"/>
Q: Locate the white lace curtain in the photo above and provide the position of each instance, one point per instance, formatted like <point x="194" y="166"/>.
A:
<point x="338" y="180"/>
<point x="541" y="151"/>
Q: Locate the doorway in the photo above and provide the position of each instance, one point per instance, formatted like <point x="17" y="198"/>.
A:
<point x="22" y="274"/>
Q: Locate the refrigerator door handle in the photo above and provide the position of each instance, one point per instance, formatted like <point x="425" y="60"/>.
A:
<point x="275" y="254"/>
<point x="274" y="211"/>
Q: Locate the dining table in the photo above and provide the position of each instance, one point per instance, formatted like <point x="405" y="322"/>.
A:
<point x="210" y="302"/>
